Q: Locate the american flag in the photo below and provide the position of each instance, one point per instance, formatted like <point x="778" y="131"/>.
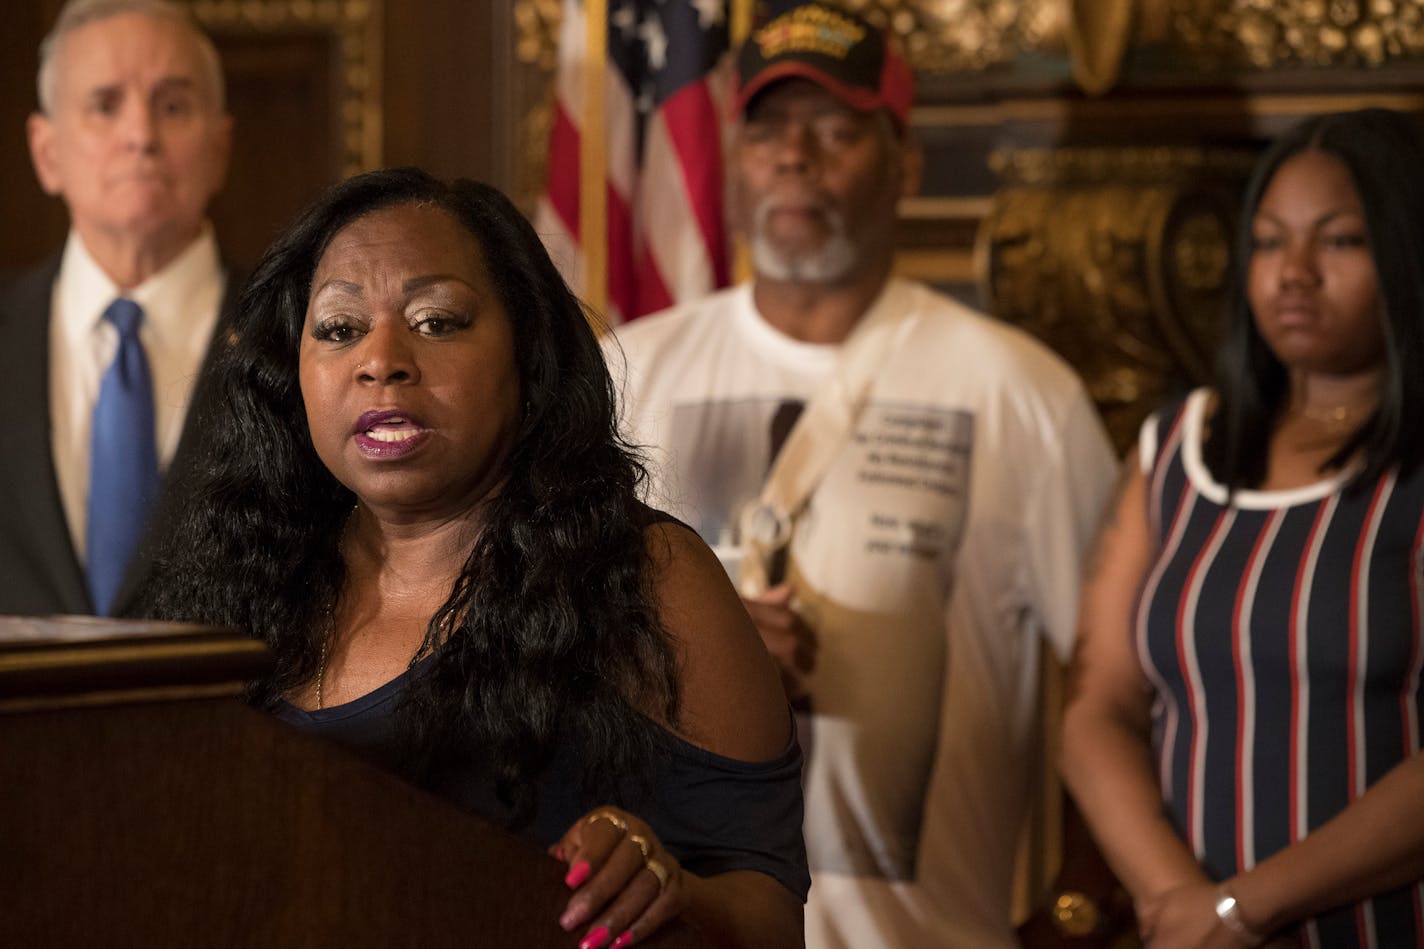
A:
<point x="666" y="90"/>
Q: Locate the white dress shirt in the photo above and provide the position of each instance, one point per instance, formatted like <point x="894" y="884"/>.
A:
<point x="180" y="309"/>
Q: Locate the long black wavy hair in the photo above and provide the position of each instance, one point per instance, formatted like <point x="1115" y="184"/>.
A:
<point x="1384" y="153"/>
<point x="551" y="624"/>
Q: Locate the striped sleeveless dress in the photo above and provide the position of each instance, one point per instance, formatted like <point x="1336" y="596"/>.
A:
<point x="1281" y="635"/>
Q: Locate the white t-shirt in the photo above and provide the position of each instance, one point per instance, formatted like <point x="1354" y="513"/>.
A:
<point x="941" y="546"/>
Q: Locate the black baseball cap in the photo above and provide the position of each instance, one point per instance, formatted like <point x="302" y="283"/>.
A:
<point x="844" y="54"/>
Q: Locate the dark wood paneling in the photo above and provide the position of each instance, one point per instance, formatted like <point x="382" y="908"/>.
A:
<point x="286" y="137"/>
<point x="441" y="64"/>
<point x="31" y="224"/>
<point x="169" y="825"/>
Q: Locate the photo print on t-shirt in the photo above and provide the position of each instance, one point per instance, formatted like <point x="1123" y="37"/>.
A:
<point x="878" y="540"/>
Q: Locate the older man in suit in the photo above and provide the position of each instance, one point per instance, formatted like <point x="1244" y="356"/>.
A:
<point x="101" y="347"/>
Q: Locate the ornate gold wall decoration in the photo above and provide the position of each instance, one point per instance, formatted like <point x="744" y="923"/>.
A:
<point x="946" y="36"/>
<point x="537" y="25"/>
<point x="937" y="35"/>
<point x="1098" y="36"/>
<point x="534" y="147"/>
<point x="1119" y="259"/>
<point x="356" y="28"/>
<point x="969" y="35"/>
<point x="953" y="36"/>
<point x="1301" y="32"/>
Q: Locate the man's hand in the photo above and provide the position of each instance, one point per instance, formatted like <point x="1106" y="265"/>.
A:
<point x="790" y="641"/>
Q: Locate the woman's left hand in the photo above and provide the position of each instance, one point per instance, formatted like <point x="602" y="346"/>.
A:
<point x="625" y="884"/>
<point x="1185" y="918"/>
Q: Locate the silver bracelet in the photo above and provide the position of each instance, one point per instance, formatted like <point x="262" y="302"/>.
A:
<point x="1228" y="910"/>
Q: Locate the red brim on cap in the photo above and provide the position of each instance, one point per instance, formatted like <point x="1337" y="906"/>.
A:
<point x="865" y="100"/>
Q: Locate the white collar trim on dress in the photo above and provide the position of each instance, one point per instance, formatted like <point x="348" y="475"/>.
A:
<point x="1246" y="499"/>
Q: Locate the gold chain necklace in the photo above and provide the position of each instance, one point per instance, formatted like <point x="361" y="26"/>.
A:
<point x="1333" y="417"/>
<point x="328" y="628"/>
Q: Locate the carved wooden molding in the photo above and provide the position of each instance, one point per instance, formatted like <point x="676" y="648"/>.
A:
<point x="1301" y="32"/>
<point x="947" y="36"/>
<point x="951" y="36"/>
<point x="536" y="23"/>
<point x="1075" y="167"/>
<point x="938" y="35"/>
<point x="355" y="26"/>
<point x="1119" y="259"/>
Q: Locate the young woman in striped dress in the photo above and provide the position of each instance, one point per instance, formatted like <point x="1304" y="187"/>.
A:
<point x="1244" y="726"/>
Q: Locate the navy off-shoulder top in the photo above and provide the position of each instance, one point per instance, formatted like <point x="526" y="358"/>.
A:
<point x="714" y="814"/>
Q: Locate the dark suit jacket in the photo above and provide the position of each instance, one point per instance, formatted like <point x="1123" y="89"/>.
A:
<point x="40" y="573"/>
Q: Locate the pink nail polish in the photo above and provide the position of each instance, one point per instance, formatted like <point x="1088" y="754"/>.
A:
<point x="572" y="917"/>
<point x="577" y="874"/>
<point x="595" y="939"/>
<point x="556" y="852"/>
<point x="624" y="940"/>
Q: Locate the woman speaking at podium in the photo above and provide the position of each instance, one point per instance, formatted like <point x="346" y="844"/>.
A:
<point x="414" y="492"/>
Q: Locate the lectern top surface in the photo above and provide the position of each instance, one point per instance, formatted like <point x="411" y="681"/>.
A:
<point x="74" y="660"/>
<point x="22" y="630"/>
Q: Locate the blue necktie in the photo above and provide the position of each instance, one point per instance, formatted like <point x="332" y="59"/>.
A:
<point x="123" y="460"/>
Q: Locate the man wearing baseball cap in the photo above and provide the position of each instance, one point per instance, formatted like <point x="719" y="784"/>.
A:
<point x="900" y="487"/>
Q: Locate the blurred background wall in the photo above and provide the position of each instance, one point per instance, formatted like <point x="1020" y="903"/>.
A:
<point x="319" y="89"/>
<point x="1084" y="157"/>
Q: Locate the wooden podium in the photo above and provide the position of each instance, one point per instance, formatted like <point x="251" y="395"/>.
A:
<point x="141" y="804"/>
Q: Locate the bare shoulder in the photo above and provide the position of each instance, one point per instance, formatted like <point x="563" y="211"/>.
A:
<point x="732" y="701"/>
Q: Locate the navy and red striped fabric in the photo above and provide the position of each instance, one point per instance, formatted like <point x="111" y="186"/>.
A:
<point x="666" y="95"/>
<point x="1282" y="635"/>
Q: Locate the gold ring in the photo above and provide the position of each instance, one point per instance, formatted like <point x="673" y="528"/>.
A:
<point x="655" y="867"/>
<point x="612" y="818"/>
<point x="642" y="843"/>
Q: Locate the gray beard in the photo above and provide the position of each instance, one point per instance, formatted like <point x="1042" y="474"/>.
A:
<point x="837" y="256"/>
